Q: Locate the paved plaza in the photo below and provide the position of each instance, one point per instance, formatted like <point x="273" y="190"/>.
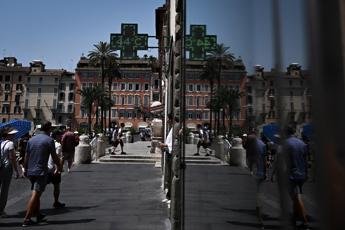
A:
<point x="128" y="196"/>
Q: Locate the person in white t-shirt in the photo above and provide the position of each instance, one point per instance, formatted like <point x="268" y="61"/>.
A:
<point x="167" y="151"/>
<point x="8" y="164"/>
<point x="54" y="176"/>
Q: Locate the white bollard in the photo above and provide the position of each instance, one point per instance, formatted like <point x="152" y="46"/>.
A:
<point x="83" y="151"/>
<point x="100" y="146"/>
<point x="238" y="153"/>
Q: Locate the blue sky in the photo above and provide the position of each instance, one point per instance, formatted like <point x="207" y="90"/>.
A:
<point x="59" y="32"/>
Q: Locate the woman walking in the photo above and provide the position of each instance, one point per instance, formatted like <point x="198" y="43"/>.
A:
<point x="8" y="163"/>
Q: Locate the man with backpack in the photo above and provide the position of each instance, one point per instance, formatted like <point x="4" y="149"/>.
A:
<point x="204" y="141"/>
<point x="117" y="138"/>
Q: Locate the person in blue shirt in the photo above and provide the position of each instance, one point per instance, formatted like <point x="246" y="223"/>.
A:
<point x="259" y="152"/>
<point x="296" y="152"/>
<point x="38" y="150"/>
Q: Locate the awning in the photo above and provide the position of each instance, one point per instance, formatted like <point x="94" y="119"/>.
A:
<point x="128" y="124"/>
<point x="142" y="124"/>
<point x="191" y="126"/>
<point x="155" y="103"/>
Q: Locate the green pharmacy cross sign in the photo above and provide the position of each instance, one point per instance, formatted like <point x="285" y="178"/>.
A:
<point x="198" y="43"/>
<point x="129" y="41"/>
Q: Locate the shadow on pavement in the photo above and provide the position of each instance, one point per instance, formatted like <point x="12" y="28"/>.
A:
<point x="61" y="222"/>
<point x="253" y="225"/>
<point x="252" y="212"/>
<point x="55" y="211"/>
<point x="55" y="222"/>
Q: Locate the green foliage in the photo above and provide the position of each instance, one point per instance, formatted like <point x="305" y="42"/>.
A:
<point x="132" y="130"/>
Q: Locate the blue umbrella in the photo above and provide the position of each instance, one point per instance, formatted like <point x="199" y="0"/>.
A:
<point x="308" y="131"/>
<point x="270" y="130"/>
<point x="23" y="127"/>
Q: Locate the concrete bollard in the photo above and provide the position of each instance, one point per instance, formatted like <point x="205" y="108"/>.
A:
<point x="129" y="137"/>
<point x="190" y="138"/>
<point x="196" y="139"/>
<point x="100" y="149"/>
<point x="237" y="153"/>
<point x="83" y="151"/>
<point x="220" y="147"/>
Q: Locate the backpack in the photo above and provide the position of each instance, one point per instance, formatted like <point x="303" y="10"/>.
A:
<point x="203" y="134"/>
<point x="115" y="134"/>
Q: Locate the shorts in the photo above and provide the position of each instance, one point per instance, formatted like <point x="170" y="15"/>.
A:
<point x="67" y="156"/>
<point x="296" y="186"/>
<point x="38" y="183"/>
<point x="117" y="142"/>
<point x="204" y="144"/>
<point x="53" y="178"/>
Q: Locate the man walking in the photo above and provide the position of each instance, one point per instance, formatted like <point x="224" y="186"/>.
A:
<point x="8" y="159"/>
<point x="68" y="143"/>
<point x="296" y="153"/>
<point x="53" y="176"/>
<point x="204" y="141"/>
<point x="117" y="138"/>
<point x="38" y="150"/>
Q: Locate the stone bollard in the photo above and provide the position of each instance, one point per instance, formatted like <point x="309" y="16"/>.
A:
<point x="190" y="138"/>
<point x="100" y="149"/>
<point x="220" y="147"/>
<point x="83" y="151"/>
<point x="237" y="153"/>
<point x="196" y="139"/>
<point x="154" y="145"/>
<point x="129" y="137"/>
<point x="157" y="134"/>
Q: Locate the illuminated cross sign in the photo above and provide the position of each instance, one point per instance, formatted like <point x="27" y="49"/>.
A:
<point x="129" y="41"/>
<point x="198" y="43"/>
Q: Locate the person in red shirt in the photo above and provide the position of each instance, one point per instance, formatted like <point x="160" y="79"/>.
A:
<point x="68" y="142"/>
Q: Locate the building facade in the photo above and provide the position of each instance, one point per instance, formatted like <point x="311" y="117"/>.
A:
<point x="12" y="89"/>
<point x="132" y="94"/>
<point x="49" y="95"/>
<point x="198" y="93"/>
<point x="271" y="94"/>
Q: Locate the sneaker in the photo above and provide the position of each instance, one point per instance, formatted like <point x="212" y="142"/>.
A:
<point x="165" y="200"/>
<point x="59" y="205"/>
<point x="196" y="154"/>
<point x="28" y="222"/>
<point x="41" y="218"/>
<point x="123" y="153"/>
<point x="207" y="154"/>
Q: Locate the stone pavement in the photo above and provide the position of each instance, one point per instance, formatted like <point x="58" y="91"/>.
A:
<point x="128" y="197"/>
<point x="100" y="196"/>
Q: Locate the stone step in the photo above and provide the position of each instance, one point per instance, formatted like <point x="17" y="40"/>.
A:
<point x="128" y="160"/>
<point x="127" y="156"/>
<point x="153" y="159"/>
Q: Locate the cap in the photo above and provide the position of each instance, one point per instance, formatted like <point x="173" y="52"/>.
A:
<point x="13" y="131"/>
<point x="75" y="132"/>
<point x="244" y="135"/>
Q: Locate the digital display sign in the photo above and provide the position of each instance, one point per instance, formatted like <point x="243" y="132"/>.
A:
<point x="198" y="43"/>
<point x="129" y="41"/>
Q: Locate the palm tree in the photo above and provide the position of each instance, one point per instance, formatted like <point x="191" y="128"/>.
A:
<point x="90" y="95"/>
<point x="228" y="98"/>
<point x="220" y="57"/>
<point x="209" y="74"/>
<point x="98" y="56"/>
<point x="112" y="70"/>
